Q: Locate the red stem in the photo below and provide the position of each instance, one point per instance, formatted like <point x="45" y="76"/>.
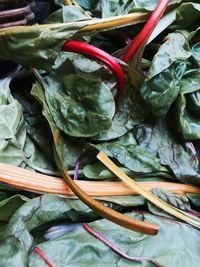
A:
<point x="115" y="248"/>
<point x="43" y="256"/>
<point x="142" y="38"/>
<point x="100" y="55"/>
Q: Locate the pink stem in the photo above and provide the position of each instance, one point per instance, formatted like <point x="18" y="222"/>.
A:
<point x="142" y="38"/>
<point x="115" y="248"/>
<point x="43" y="256"/>
<point x="76" y="170"/>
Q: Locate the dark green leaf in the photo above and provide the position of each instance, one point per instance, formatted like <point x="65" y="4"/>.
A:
<point x="129" y="154"/>
<point x="130" y="108"/>
<point x="187" y="13"/>
<point x="194" y="199"/>
<point x="188" y="123"/>
<point x="193" y="102"/>
<point x="9" y="205"/>
<point x="162" y="90"/>
<point x="175" y="48"/>
<point x="83" y="107"/>
<point x="98" y="171"/>
<point x="69" y="148"/>
<point x="178" y="201"/>
<point x="179" y="156"/>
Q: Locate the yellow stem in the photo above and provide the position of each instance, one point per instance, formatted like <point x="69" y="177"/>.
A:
<point x="87" y="25"/>
<point x="148" y="195"/>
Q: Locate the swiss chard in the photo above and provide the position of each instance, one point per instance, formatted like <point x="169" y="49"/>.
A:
<point x="151" y="131"/>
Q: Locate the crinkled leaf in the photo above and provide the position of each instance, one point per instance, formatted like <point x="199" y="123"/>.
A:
<point x="175" y="48"/>
<point x="177" y="155"/>
<point x="178" y="201"/>
<point x="175" y="245"/>
<point x="130" y="108"/>
<point x="33" y="214"/>
<point x="188" y="123"/>
<point x="190" y="82"/>
<point x="83" y="107"/>
<point x="162" y="90"/>
<point x="119" y="7"/>
<point x="16" y="147"/>
<point x="129" y="154"/>
<point x="70" y="148"/>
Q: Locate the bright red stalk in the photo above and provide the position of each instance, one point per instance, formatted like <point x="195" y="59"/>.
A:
<point x="43" y="256"/>
<point x="100" y="55"/>
<point x="142" y="38"/>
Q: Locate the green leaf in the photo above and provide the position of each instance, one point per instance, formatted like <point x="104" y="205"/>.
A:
<point x="9" y="205"/>
<point x="187" y="13"/>
<point x="129" y="154"/>
<point x="188" y="124"/>
<point x="67" y="14"/>
<point x="175" y="48"/>
<point x="131" y="110"/>
<point x="190" y="82"/>
<point x="162" y="90"/>
<point x="36" y="125"/>
<point x="39" y="45"/>
<point x="178" y="201"/>
<point x="193" y="102"/>
<point x="83" y="107"/>
<point x="98" y="171"/>
<point x="118" y="7"/>
<point x="17" y="240"/>
<point x="161" y="141"/>
<point x="182" y="240"/>
<point x="69" y="148"/>
<point x="194" y="199"/>
<point x="16" y="147"/>
<point x="125" y="201"/>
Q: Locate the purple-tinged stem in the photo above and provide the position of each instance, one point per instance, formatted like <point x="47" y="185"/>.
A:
<point x="115" y="248"/>
<point x="76" y="169"/>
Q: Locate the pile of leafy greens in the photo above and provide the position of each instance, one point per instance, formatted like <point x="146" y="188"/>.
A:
<point x="57" y="108"/>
